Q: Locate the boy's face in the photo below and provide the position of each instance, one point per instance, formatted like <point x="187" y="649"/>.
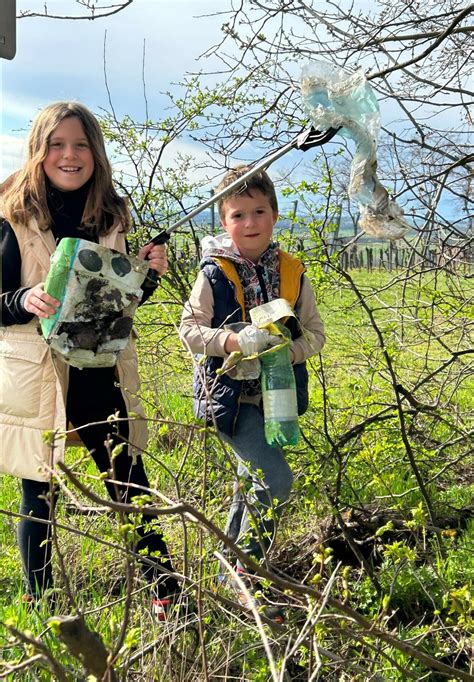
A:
<point x="249" y="221"/>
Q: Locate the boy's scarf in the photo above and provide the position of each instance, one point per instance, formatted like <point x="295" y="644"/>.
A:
<point x="269" y="269"/>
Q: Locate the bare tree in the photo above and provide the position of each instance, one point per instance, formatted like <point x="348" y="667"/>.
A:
<point x="416" y="56"/>
<point x="384" y="467"/>
<point x="89" y="9"/>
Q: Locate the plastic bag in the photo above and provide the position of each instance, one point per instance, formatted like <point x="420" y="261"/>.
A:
<point x="334" y="98"/>
<point x="99" y="290"/>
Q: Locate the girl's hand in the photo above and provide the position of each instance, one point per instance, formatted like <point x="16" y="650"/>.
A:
<point x="38" y="302"/>
<point x="156" y="255"/>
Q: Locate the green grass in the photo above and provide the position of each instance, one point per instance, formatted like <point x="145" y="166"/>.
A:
<point x="370" y="470"/>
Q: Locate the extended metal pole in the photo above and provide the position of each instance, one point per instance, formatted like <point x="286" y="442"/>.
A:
<point x="230" y="188"/>
<point x="307" y="139"/>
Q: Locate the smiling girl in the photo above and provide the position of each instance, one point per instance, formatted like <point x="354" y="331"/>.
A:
<point x="65" y="189"/>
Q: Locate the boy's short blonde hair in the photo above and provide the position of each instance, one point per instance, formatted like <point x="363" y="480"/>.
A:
<point x="260" y="182"/>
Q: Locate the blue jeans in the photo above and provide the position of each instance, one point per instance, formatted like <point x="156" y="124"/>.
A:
<point x="264" y="476"/>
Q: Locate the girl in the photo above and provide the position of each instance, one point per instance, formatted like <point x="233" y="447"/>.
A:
<point x="65" y="190"/>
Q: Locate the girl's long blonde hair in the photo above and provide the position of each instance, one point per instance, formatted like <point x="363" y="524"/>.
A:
<point x="24" y="194"/>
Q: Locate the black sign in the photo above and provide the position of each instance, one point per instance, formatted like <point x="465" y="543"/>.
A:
<point x="7" y="29"/>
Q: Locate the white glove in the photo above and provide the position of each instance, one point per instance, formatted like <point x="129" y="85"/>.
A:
<point x="252" y="340"/>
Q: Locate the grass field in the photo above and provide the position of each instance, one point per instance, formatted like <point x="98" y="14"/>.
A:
<point x="391" y="406"/>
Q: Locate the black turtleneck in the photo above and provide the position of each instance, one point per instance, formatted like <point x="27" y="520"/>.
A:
<point x="66" y="212"/>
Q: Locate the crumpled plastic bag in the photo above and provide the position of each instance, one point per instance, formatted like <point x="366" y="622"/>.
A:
<point x="334" y="98"/>
<point x="239" y="367"/>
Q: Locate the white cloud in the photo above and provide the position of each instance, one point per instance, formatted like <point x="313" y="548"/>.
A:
<point x="12" y="150"/>
<point x="20" y="106"/>
<point x="13" y="154"/>
<point x="61" y="60"/>
<point x="205" y="172"/>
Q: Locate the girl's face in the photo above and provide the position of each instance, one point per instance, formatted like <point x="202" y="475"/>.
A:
<point x="69" y="163"/>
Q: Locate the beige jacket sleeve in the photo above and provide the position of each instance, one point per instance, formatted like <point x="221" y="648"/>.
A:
<point x="197" y="335"/>
<point x="313" y="338"/>
<point x="195" y="330"/>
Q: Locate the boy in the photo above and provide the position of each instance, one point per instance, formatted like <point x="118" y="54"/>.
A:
<point x="241" y="269"/>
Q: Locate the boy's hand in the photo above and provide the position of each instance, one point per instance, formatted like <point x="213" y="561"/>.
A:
<point x="252" y="340"/>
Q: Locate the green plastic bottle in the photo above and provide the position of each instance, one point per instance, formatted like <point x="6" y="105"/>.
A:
<point x="280" y="407"/>
<point x="57" y="279"/>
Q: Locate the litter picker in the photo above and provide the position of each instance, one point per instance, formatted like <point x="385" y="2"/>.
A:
<point x="336" y="101"/>
<point x="306" y="139"/>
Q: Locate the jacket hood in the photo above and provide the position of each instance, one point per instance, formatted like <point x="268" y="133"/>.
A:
<point x="218" y="245"/>
<point x="222" y="246"/>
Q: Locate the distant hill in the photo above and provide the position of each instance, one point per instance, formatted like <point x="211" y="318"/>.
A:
<point x="203" y="222"/>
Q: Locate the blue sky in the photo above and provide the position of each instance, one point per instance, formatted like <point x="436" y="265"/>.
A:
<point x="64" y="59"/>
<point x="61" y="60"/>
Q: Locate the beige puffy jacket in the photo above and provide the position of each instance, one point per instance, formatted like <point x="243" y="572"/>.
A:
<point x="34" y="379"/>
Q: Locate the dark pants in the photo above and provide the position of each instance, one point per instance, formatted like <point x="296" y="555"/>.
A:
<point x="92" y="397"/>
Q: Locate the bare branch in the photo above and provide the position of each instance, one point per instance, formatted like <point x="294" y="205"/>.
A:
<point x="94" y="11"/>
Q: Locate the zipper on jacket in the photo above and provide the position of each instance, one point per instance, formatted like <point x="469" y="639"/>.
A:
<point x="261" y="281"/>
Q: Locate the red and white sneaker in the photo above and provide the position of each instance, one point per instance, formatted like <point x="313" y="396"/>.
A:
<point x="175" y="604"/>
<point x="160" y="608"/>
